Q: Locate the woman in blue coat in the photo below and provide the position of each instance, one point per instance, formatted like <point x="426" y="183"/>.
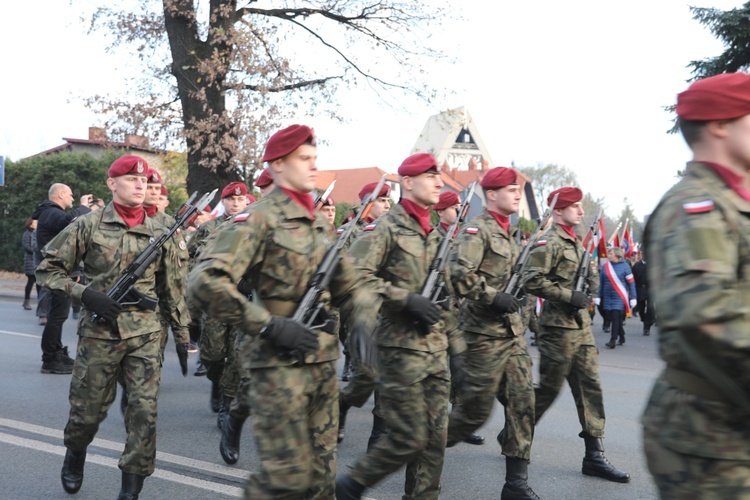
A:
<point x="617" y="293"/>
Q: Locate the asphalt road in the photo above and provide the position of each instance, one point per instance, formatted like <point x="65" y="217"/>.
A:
<point x="34" y="408"/>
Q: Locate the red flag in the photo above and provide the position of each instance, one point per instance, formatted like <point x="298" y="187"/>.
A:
<point x="614" y="240"/>
<point x="627" y="242"/>
<point x="602" y="245"/>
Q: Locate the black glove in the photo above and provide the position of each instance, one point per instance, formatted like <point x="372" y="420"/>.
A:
<point x="101" y="304"/>
<point x="422" y="309"/>
<point x="182" y="355"/>
<point x="505" y="303"/>
<point x="245" y="287"/>
<point x="326" y="321"/>
<point x="579" y="300"/>
<point x="362" y="347"/>
<point x="288" y="335"/>
<point x="458" y="376"/>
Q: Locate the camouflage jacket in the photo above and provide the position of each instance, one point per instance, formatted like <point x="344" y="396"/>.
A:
<point x="168" y="221"/>
<point x="392" y="259"/>
<point x="456" y="340"/>
<point x="277" y="247"/>
<point x="356" y="232"/>
<point x="552" y="270"/>
<point x="480" y="267"/>
<point x="200" y="235"/>
<point x="106" y="246"/>
<point x="697" y="247"/>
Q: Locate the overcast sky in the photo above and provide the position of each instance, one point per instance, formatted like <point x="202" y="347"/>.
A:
<point x="577" y="83"/>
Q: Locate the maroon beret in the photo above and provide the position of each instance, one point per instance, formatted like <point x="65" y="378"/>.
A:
<point x="164" y="191"/>
<point x="154" y="177"/>
<point x="128" y="165"/>
<point x="417" y="164"/>
<point x="499" y="177"/>
<point x="233" y="189"/>
<point x="567" y="196"/>
<point x="329" y="202"/>
<point x="447" y="199"/>
<point x="369" y="188"/>
<point x="287" y="140"/>
<point x="264" y="179"/>
<point x="720" y="97"/>
<point x="250" y="199"/>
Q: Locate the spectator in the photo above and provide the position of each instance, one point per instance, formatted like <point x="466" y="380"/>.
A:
<point x="53" y="218"/>
<point x="28" y="240"/>
<point x="616" y="294"/>
<point x="645" y="306"/>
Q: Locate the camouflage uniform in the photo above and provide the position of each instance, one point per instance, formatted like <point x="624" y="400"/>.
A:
<point x="106" y="246"/>
<point x="696" y="440"/>
<point x="276" y="246"/>
<point x="393" y="258"/>
<point x="567" y="351"/>
<point x="497" y="363"/>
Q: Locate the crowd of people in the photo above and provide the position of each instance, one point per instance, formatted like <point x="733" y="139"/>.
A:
<point x="435" y="364"/>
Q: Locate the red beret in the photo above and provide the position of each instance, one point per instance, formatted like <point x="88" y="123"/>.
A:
<point x="128" y="165"/>
<point x="499" y="177"/>
<point x="329" y="202"/>
<point x="154" y="177"/>
<point x="720" y="97"/>
<point x="264" y="179"/>
<point x="417" y="164"/>
<point x="447" y="199"/>
<point x="250" y="199"/>
<point x="233" y="189"/>
<point x="369" y="188"/>
<point x="287" y="140"/>
<point x="164" y="191"/>
<point x="567" y="196"/>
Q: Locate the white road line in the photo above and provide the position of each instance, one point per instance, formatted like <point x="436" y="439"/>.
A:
<point x="19" y="334"/>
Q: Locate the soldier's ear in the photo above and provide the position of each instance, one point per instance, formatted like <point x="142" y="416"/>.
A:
<point x="407" y="184"/>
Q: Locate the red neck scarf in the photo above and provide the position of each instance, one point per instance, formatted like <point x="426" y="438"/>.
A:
<point x="419" y="214"/>
<point x="151" y="211"/>
<point x="302" y="199"/>
<point x="132" y="216"/>
<point x="369" y="219"/>
<point x="733" y="179"/>
<point x="569" y="229"/>
<point x="448" y="226"/>
<point x="503" y="220"/>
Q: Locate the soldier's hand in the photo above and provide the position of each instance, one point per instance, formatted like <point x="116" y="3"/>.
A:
<point x="458" y="376"/>
<point x="422" y="309"/>
<point x="99" y="303"/>
<point x="505" y="303"/>
<point x="182" y="355"/>
<point x="287" y="334"/>
<point x="579" y="300"/>
<point x="362" y="347"/>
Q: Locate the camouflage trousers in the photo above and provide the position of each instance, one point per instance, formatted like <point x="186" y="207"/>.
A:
<point x="93" y="389"/>
<point x="295" y="426"/>
<point x="567" y="354"/>
<point x="413" y="392"/>
<point x="218" y="349"/>
<point x="496" y="368"/>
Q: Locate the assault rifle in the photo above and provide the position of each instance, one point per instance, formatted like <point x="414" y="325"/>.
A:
<point x="308" y="309"/>
<point x="124" y="291"/>
<point x="581" y="282"/>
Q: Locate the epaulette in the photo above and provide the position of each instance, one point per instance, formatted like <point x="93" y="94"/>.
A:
<point x="698" y="207"/>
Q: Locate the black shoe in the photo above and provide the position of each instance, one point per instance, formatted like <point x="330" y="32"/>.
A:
<point x="348" y="489"/>
<point x="605" y="329"/>
<point x="27" y="305"/>
<point x="231" y="432"/>
<point x="474" y="439"/>
<point x="132" y="484"/>
<point x="57" y="366"/>
<point x="516" y="476"/>
<point x="610" y="344"/>
<point x="621" y="341"/>
<point x="646" y="330"/>
<point x="201" y="370"/>
<point x="72" y="470"/>
<point x="215" y="397"/>
<point x="596" y="464"/>
<point x="343" y="410"/>
<point x="65" y="357"/>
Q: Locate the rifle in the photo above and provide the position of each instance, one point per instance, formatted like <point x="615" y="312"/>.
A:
<point x="433" y="287"/>
<point x="124" y="291"/>
<point x="581" y="282"/>
<point x="320" y="199"/>
<point x="310" y="306"/>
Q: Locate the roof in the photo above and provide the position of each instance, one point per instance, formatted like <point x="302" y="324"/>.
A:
<point x="69" y="142"/>
<point x="349" y="181"/>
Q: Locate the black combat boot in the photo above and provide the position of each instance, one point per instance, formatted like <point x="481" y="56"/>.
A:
<point x="226" y="402"/>
<point x="132" y="484"/>
<point x="343" y="410"/>
<point x="72" y="470"/>
<point x="646" y="330"/>
<point x="378" y="430"/>
<point x="474" y="438"/>
<point x="215" y="397"/>
<point x="596" y="464"/>
<point x="611" y="343"/>
<point x="348" y="489"/>
<point x="231" y="432"/>
<point x="516" y="477"/>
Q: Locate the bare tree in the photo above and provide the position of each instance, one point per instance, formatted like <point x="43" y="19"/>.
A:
<point x="547" y="178"/>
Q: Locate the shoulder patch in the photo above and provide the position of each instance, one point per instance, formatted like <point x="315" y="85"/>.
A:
<point x="340" y="230"/>
<point x="369" y="227"/>
<point x="541" y="243"/>
<point x="698" y="207"/>
<point x="241" y="217"/>
<point x="472" y="230"/>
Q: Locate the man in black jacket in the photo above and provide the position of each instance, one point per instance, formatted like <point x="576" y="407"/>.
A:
<point x="52" y="218"/>
<point x="645" y="306"/>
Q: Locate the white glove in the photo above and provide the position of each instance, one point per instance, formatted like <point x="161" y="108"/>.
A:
<point x="633" y="302"/>
<point x="597" y="301"/>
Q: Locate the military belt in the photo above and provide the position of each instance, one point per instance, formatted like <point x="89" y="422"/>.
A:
<point x="694" y="384"/>
<point x="281" y="307"/>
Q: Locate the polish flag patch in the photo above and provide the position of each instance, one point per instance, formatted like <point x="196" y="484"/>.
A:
<point x="241" y="217"/>
<point x="369" y="227"/>
<point x="340" y="230"/>
<point x="698" y="207"/>
<point x="472" y="230"/>
<point x="541" y="243"/>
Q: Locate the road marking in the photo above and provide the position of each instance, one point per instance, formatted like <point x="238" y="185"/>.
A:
<point x="19" y="334"/>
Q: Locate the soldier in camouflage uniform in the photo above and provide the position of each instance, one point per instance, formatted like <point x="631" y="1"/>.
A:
<point x="264" y="183"/>
<point x="130" y="338"/>
<point x="276" y="245"/>
<point x="218" y="339"/>
<point x="361" y="377"/>
<point x="566" y="345"/>
<point x="394" y="255"/>
<point x="697" y="242"/>
<point x="496" y="363"/>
